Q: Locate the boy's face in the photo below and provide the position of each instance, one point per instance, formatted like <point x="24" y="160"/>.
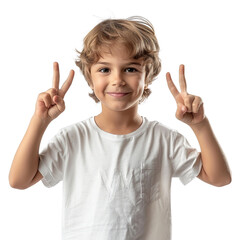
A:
<point x="118" y="80"/>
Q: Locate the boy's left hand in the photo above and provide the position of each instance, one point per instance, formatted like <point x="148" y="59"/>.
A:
<point x="189" y="107"/>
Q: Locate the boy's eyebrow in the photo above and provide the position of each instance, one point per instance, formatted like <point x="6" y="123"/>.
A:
<point x="128" y="63"/>
<point x="103" y="63"/>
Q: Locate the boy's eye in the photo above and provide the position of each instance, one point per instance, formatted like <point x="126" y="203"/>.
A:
<point x="130" y="70"/>
<point x="104" y="70"/>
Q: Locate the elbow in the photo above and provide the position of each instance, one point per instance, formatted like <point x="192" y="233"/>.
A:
<point x="218" y="180"/>
<point x="16" y="184"/>
<point x="224" y="181"/>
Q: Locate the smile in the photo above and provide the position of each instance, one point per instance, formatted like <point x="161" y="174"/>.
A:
<point x="114" y="94"/>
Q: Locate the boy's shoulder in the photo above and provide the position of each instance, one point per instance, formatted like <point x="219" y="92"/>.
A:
<point x="74" y="130"/>
<point x="77" y="126"/>
<point x="156" y="125"/>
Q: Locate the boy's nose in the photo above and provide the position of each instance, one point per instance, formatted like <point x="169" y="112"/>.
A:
<point x="118" y="79"/>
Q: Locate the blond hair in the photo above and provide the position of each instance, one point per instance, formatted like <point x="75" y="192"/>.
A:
<point x="136" y="33"/>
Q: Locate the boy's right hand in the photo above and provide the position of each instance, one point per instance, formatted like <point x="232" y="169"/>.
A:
<point x="50" y="104"/>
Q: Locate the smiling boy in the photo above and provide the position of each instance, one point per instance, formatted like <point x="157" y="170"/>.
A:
<point x="118" y="83"/>
<point x="117" y="167"/>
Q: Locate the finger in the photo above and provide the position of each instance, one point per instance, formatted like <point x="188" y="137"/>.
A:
<point x="52" y="92"/>
<point x="181" y="110"/>
<point x="46" y="99"/>
<point x="196" y="104"/>
<point x="66" y="85"/>
<point x="172" y="86"/>
<point x="58" y="108"/>
<point x="60" y="103"/>
<point x="188" y="101"/>
<point x="56" y="76"/>
<point x="182" y="79"/>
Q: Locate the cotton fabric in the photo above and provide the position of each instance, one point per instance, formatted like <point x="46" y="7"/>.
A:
<point x="117" y="186"/>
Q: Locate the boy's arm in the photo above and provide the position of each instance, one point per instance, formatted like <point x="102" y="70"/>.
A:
<point x="215" y="169"/>
<point x="50" y="104"/>
<point x="25" y="163"/>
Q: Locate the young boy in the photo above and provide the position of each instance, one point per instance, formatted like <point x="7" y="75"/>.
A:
<point x="117" y="167"/>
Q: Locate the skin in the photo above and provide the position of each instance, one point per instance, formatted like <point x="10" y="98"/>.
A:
<point x="190" y="110"/>
<point x="50" y="104"/>
<point x="115" y="73"/>
<point x="118" y="81"/>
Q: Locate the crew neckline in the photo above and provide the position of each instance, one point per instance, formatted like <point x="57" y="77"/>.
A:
<point x="135" y="133"/>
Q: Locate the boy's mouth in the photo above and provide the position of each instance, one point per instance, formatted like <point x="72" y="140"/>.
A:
<point x="117" y="94"/>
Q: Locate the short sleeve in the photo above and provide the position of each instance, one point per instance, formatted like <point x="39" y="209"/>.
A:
<point x="186" y="161"/>
<point x="52" y="161"/>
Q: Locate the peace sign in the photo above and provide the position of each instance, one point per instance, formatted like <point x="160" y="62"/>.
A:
<point x="189" y="107"/>
<point x="50" y="104"/>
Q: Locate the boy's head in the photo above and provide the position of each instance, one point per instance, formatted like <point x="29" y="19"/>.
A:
<point x="136" y="34"/>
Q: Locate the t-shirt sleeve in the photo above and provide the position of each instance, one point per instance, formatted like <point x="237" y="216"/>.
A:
<point x="52" y="161"/>
<point x="186" y="161"/>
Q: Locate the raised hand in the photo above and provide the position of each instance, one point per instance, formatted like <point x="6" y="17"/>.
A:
<point x="50" y="104"/>
<point x="189" y="107"/>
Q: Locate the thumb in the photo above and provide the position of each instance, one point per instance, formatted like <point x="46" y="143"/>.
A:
<point x="57" y="108"/>
<point x="59" y="103"/>
<point x="181" y="110"/>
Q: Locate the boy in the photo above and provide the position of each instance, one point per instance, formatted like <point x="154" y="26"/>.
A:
<point x="117" y="167"/>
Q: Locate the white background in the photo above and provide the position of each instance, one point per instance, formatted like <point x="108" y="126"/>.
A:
<point x="204" y="35"/>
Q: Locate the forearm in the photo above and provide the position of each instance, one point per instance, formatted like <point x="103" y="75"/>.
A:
<point x="49" y="105"/>
<point x="213" y="159"/>
<point x="26" y="160"/>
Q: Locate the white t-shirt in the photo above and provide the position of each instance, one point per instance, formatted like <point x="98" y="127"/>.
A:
<point x="117" y="187"/>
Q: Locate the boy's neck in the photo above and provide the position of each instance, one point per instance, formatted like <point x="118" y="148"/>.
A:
<point x="119" y="123"/>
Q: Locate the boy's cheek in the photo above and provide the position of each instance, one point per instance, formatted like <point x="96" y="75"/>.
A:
<point x="91" y="85"/>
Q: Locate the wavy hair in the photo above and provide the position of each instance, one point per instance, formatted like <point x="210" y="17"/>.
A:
<point x="136" y="33"/>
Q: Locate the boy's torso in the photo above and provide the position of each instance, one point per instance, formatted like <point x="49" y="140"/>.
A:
<point x="115" y="186"/>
